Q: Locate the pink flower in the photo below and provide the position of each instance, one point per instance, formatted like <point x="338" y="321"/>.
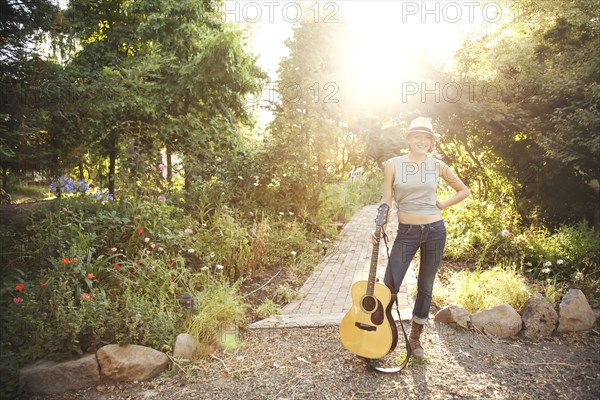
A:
<point x="75" y="260"/>
<point x="160" y="249"/>
<point x="90" y="276"/>
<point x="153" y="245"/>
<point x="188" y="231"/>
<point x="117" y="266"/>
<point x="43" y="284"/>
<point x="147" y="251"/>
<point x="113" y="249"/>
<point x="520" y="239"/>
<point x="505" y="233"/>
<point x="85" y="296"/>
<point x="17" y="300"/>
<point x="161" y="198"/>
<point x="161" y="167"/>
<point x="147" y="239"/>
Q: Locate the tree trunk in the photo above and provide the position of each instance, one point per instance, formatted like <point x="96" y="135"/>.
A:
<point x="169" y="164"/>
<point x="112" y="161"/>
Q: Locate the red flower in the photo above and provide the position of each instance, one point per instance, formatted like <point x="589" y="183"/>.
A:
<point x="90" y="276"/>
<point x="20" y="287"/>
<point x="117" y="266"/>
<point x="17" y="300"/>
<point x="140" y="230"/>
<point x="65" y="261"/>
<point x="43" y="283"/>
<point x="85" y="296"/>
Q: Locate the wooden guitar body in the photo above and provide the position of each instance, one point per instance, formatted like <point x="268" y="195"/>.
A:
<point x="368" y="328"/>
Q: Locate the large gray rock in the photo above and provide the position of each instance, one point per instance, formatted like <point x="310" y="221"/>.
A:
<point x="453" y="315"/>
<point x="539" y="318"/>
<point x="185" y="347"/>
<point x="48" y="377"/>
<point x="131" y="362"/>
<point x="575" y="313"/>
<point x="500" y="321"/>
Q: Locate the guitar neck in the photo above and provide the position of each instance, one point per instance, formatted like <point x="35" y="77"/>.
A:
<point x="374" y="262"/>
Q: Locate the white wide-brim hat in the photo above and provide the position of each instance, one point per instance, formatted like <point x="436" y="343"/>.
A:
<point x="422" y="124"/>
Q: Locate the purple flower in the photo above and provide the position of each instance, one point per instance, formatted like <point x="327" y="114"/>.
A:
<point x="161" y="198"/>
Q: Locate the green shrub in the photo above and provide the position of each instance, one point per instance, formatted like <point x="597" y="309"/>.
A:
<point x="482" y="289"/>
<point x="218" y="306"/>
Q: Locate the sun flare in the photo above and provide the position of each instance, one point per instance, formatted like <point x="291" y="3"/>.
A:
<point x="384" y="54"/>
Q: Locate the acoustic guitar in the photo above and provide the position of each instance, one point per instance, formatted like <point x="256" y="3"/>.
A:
<point x="368" y="328"/>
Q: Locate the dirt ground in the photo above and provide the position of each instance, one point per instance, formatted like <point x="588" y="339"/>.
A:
<point x="311" y="363"/>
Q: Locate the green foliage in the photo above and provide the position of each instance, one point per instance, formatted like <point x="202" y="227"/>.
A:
<point x="267" y="309"/>
<point x="219" y="306"/>
<point x="340" y="200"/>
<point x="284" y="294"/>
<point x="480" y="289"/>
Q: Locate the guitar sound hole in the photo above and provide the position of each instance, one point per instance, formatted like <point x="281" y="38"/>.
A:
<point x="369" y="304"/>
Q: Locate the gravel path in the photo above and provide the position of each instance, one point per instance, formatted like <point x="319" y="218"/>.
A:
<point x="310" y="363"/>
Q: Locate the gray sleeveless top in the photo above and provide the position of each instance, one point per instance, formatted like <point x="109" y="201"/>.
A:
<point x="415" y="185"/>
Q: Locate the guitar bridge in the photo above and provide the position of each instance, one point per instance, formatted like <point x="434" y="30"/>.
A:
<point x="365" y="327"/>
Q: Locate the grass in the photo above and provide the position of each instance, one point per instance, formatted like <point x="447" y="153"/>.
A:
<point x="28" y="194"/>
<point x="481" y="289"/>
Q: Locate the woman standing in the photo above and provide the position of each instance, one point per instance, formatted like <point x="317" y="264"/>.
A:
<point x="411" y="181"/>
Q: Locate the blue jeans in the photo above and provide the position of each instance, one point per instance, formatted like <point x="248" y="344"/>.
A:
<point x="430" y="239"/>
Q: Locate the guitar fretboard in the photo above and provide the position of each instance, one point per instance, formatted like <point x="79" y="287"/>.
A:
<point x="374" y="260"/>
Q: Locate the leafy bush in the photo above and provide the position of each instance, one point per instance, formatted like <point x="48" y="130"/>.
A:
<point x="481" y="289"/>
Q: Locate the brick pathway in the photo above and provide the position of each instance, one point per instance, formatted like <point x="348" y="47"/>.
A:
<point x="325" y="296"/>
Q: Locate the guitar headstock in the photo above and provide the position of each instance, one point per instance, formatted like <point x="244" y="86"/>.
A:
<point x="382" y="214"/>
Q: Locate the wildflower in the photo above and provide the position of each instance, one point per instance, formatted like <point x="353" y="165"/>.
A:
<point x="140" y="230"/>
<point x="188" y="231"/>
<point x="65" y="261"/>
<point x="281" y="213"/>
<point x="160" y="249"/>
<point x="153" y="245"/>
<point x="85" y="296"/>
<point x="250" y="214"/>
<point x="161" y="198"/>
<point x="578" y="276"/>
<point x="255" y="183"/>
<point x="75" y="260"/>
<point x="546" y="270"/>
<point x="548" y="264"/>
<point x="560" y="262"/>
<point x="117" y="266"/>
<point x="147" y="251"/>
<point x="205" y="268"/>
<point x="219" y="267"/>
<point x="520" y="239"/>
<point x="90" y="276"/>
<point x="191" y="251"/>
<point x="146" y="239"/>
<point x="293" y="253"/>
<point x="17" y="300"/>
<point x="212" y="254"/>
<point x="20" y="287"/>
<point x="290" y="213"/>
<point x="113" y="249"/>
<point x="162" y="167"/>
<point x="42" y="284"/>
<point x="65" y="209"/>
<point x="505" y="233"/>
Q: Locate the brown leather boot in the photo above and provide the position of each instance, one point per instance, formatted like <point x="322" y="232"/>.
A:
<point x="413" y="341"/>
